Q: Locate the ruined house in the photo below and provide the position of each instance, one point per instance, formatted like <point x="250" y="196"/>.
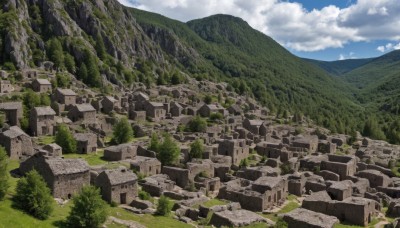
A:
<point x="64" y="177"/>
<point x="16" y="142"/>
<point x="155" y="110"/>
<point x="85" y="143"/>
<point x="118" y="185"/>
<point x="109" y="104"/>
<point x="256" y="127"/>
<point x="207" y="109"/>
<point x="5" y="86"/>
<point x="235" y="110"/>
<point x="344" y="166"/>
<point x="146" y="165"/>
<point x="120" y="152"/>
<point x="13" y="112"/>
<point x="41" y="85"/>
<point x="83" y="112"/>
<point x="309" y="143"/>
<point x="175" y="109"/>
<point x="65" y="96"/>
<point x="375" y="178"/>
<point x="301" y="217"/>
<point x="42" y="121"/>
<point x="235" y="148"/>
<point x="53" y="150"/>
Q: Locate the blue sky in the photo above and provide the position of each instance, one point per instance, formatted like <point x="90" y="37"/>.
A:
<point x="318" y="29"/>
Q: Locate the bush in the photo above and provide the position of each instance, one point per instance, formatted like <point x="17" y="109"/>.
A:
<point x="122" y="132"/>
<point x="89" y="210"/>
<point x="216" y="116"/>
<point x="164" y="206"/>
<point x="169" y="151"/>
<point x="196" y="149"/>
<point x="65" y="139"/>
<point x="144" y="195"/>
<point x="197" y="124"/>
<point x="207" y="99"/>
<point x="33" y="196"/>
<point x="4" y="185"/>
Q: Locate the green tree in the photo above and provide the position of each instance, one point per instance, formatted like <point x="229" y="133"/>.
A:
<point x="31" y="99"/>
<point x="94" y="78"/>
<point x="164" y="206"/>
<point x="176" y="78"/>
<point x="122" y="132"/>
<point x="197" y="124"/>
<point x="63" y="80"/>
<point x="65" y="139"/>
<point x="208" y="99"/>
<point x="4" y="185"/>
<point x="154" y="143"/>
<point x="69" y="63"/>
<point x="169" y="151"/>
<point x="83" y="72"/>
<point x="55" y="52"/>
<point x="372" y="129"/>
<point x="196" y="149"/>
<point x="45" y="99"/>
<point x="88" y="209"/>
<point x="100" y="48"/>
<point x="33" y="196"/>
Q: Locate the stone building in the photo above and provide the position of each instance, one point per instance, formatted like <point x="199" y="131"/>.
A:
<point x="64" y="177"/>
<point x="119" y="185"/>
<point x="109" y="104"/>
<point x="375" y="178"/>
<point x="146" y="165"/>
<point x="301" y="217"/>
<point x="42" y="121"/>
<point x="175" y="109"/>
<point x="13" y="112"/>
<point x="83" y="112"/>
<point x="5" y="86"/>
<point x="207" y="109"/>
<point x="41" y="85"/>
<point x="155" y="110"/>
<point x="235" y="148"/>
<point x="120" y="152"/>
<point x="256" y="127"/>
<point x="310" y="143"/>
<point x="65" y="96"/>
<point x="86" y="143"/>
<point x="235" y="110"/>
<point x="53" y="150"/>
<point x="16" y="142"/>
<point x="274" y="189"/>
<point x="344" y="166"/>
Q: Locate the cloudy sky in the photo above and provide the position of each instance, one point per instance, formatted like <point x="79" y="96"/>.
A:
<point x="319" y="29"/>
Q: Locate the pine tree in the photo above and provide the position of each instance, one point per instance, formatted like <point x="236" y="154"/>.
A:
<point x="93" y="72"/>
<point x="83" y="73"/>
<point x="33" y="196"/>
<point x="4" y="184"/>
<point x="122" y="132"/>
<point x="65" y="139"/>
<point x="69" y="63"/>
<point x="100" y="48"/>
<point x="196" y="149"/>
<point x="88" y="209"/>
<point x="168" y="151"/>
<point x="55" y="52"/>
<point x="154" y="143"/>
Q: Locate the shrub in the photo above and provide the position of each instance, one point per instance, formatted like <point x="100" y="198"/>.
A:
<point x="4" y="185"/>
<point x="164" y="206"/>
<point x="122" y="132"/>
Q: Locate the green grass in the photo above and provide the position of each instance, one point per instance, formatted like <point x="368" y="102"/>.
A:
<point x="45" y="140"/>
<point x="214" y="202"/>
<point x="92" y="159"/>
<point x="287" y="208"/>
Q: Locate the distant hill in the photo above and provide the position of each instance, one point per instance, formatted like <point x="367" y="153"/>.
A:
<point x="340" y="67"/>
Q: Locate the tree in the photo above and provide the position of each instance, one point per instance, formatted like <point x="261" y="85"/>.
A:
<point x="83" y="73"/>
<point x="207" y="99"/>
<point x="88" y="209"/>
<point x="154" y="143"/>
<point x="33" y="196"/>
<point x="122" y="132"/>
<point x="169" y="151"/>
<point x="93" y="72"/>
<point x="65" y="139"/>
<point x="55" y="52"/>
<point x="69" y="63"/>
<point x="4" y="185"/>
<point x="176" y="78"/>
<point x="100" y="48"/>
<point x="372" y="129"/>
<point x="164" y="206"/>
<point x="45" y="99"/>
<point x="197" y="124"/>
<point x="196" y="149"/>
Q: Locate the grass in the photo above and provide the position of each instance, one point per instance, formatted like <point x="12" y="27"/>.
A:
<point x="214" y="202"/>
<point x="46" y="140"/>
<point x="346" y="225"/>
<point x="287" y="208"/>
<point x="92" y="159"/>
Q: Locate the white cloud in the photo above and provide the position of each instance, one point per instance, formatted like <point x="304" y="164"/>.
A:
<point x="388" y="47"/>
<point x="351" y="55"/>
<point x="290" y="23"/>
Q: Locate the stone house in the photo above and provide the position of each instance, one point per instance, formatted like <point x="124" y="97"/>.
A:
<point x="53" y="150"/>
<point x="235" y="110"/>
<point x="83" y="112"/>
<point x="146" y="165"/>
<point x="256" y="127"/>
<point x="235" y="148"/>
<point x="65" y="96"/>
<point x="175" y="109"/>
<point x="310" y="143"/>
<point x="42" y="121"/>
<point x="119" y="185"/>
<point x="13" y="112"/>
<point x="16" y="142"/>
<point x="301" y="217"/>
<point x="274" y="189"/>
<point x="86" y="143"/>
<point x="156" y="185"/>
<point x="340" y="190"/>
<point x="120" y="152"/>
<point x="41" y="85"/>
<point x="30" y="73"/>
<point x="109" y="104"/>
<point x="207" y="109"/>
<point x="155" y="110"/>
<point x="326" y="147"/>
<point x="5" y="86"/>
<point x="344" y="166"/>
<point x="375" y="178"/>
<point x="64" y="177"/>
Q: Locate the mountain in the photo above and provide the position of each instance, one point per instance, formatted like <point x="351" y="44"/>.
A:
<point x="124" y="45"/>
<point x="339" y="67"/>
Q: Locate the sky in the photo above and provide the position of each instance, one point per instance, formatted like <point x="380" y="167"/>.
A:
<point x="319" y="29"/>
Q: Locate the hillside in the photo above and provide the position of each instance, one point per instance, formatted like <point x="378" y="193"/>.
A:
<point x="144" y="46"/>
<point x="339" y="67"/>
